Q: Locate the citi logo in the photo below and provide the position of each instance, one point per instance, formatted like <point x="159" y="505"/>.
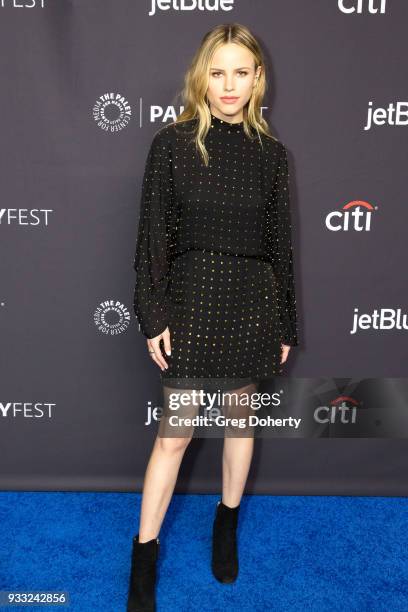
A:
<point x="342" y="410"/>
<point x="355" y="215"/>
<point x="362" y="6"/>
<point x="383" y="318"/>
<point x="393" y="115"/>
<point x="191" y="5"/>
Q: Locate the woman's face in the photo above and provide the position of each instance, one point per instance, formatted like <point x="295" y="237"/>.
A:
<point x="232" y="75"/>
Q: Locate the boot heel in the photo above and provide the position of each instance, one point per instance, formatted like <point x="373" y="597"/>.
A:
<point x="142" y="582"/>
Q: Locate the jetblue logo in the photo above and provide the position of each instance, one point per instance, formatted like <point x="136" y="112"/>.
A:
<point x="383" y="318"/>
<point x="191" y="5"/>
<point x="394" y="114"/>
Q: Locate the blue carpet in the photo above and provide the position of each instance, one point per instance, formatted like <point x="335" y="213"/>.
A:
<point x="296" y="553"/>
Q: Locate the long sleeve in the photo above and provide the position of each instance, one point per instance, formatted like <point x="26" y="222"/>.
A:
<point x="152" y="256"/>
<point x="280" y="249"/>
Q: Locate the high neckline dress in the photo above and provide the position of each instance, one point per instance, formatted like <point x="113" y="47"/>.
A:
<point x="214" y="258"/>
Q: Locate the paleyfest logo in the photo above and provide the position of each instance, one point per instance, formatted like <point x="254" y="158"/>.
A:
<point x="355" y="215"/>
<point x="19" y="4"/>
<point x="112" y="112"/>
<point x="112" y="317"/>
<point x="161" y="114"/>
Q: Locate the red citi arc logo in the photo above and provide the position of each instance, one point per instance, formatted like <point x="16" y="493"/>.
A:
<point x="342" y="409"/>
<point x="355" y="215"/>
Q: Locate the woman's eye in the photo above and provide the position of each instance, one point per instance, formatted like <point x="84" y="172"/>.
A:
<point x="241" y="72"/>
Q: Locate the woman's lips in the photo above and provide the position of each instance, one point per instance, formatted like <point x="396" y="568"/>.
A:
<point x="229" y="100"/>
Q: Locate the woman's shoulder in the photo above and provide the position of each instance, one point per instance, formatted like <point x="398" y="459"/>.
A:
<point x="275" y="149"/>
<point x="272" y="143"/>
<point x="167" y="139"/>
<point x="167" y="133"/>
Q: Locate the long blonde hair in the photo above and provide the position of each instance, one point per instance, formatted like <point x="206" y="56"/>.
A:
<point x="196" y="80"/>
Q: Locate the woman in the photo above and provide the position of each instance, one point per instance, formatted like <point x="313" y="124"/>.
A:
<point x="215" y="293"/>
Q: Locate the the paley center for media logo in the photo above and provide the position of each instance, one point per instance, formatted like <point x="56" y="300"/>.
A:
<point x="112" y="111"/>
<point x="111" y="317"/>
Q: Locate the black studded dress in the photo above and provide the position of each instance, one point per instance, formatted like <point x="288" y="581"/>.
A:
<point x="214" y="254"/>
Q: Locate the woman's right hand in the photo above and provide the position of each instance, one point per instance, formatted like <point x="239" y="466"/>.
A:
<point x="153" y="345"/>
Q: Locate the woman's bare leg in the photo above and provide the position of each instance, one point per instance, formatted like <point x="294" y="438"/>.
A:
<point x="162" y="470"/>
<point x="236" y="461"/>
<point x="237" y="451"/>
<point x="159" y="482"/>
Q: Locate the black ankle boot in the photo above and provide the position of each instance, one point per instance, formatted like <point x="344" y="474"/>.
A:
<point x="224" y="562"/>
<point x="142" y="597"/>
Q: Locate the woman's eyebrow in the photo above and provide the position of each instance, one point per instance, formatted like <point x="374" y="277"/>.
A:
<point x="242" y="67"/>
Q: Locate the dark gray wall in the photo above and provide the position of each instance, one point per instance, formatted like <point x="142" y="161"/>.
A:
<point x="75" y="375"/>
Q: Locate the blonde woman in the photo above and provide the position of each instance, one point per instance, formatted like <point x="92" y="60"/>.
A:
<point x="215" y="294"/>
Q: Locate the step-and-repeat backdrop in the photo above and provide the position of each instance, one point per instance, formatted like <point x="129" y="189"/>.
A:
<point x="84" y="86"/>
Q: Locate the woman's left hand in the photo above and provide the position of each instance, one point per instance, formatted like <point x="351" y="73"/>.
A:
<point x="285" y="352"/>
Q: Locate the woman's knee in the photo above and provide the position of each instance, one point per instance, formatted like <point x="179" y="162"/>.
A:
<point x="173" y="445"/>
